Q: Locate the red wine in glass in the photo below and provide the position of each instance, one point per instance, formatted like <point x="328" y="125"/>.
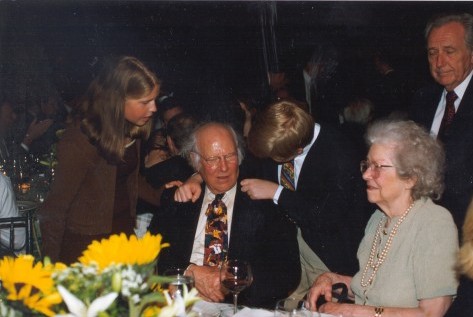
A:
<point x="235" y="286"/>
<point x="235" y="276"/>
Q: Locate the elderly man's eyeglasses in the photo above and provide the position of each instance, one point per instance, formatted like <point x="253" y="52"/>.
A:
<point x="214" y="161"/>
<point x="375" y="168"/>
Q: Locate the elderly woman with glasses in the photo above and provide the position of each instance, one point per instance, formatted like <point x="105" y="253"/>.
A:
<point x="408" y="253"/>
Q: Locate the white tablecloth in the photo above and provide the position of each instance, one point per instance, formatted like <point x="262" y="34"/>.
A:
<point x="208" y="309"/>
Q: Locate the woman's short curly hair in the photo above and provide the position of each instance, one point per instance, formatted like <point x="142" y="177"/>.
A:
<point x="418" y="155"/>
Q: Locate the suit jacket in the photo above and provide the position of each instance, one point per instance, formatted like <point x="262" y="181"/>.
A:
<point x="329" y="204"/>
<point x="259" y="235"/>
<point x="458" y="142"/>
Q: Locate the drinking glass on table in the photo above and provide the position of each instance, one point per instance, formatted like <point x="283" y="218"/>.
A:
<point x="292" y="307"/>
<point x="180" y="279"/>
<point x="235" y="276"/>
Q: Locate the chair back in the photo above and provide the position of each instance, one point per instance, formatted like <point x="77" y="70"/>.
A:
<point x="18" y="230"/>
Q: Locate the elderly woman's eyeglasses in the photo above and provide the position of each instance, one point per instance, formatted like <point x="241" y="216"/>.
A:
<point x="375" y="168"/>
<point x="215" y="161"/>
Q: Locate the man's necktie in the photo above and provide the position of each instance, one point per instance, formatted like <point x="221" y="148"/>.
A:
<point x="287" y="175"/>
<point x="449" y="113"/>
<point x="216" y="232"/>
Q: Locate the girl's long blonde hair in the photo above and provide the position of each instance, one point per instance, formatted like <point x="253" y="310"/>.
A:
<point x="102" y="110"/>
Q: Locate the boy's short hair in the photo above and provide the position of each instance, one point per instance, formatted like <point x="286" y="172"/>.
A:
<point x="280" y="130"/>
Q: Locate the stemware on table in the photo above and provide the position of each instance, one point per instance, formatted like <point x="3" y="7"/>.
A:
<point x="235" y="276"/>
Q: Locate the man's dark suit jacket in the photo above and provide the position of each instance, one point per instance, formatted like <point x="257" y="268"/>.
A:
<point x="458" y="143"/>
<point x="259" y="235"/>
<point x="330" y="204"/>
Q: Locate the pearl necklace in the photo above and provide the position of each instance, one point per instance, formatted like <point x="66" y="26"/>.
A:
<point x="371" y="260"/>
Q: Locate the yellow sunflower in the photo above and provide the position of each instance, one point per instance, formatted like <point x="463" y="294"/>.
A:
<point x="118" y="249"/>
<point x="29" y="282"/>
<point x="151" y="311"/>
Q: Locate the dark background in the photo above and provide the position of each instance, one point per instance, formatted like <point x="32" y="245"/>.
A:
<point x="199" y="48"/>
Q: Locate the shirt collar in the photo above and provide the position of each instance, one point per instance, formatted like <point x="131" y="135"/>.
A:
<point x="308" y="146"/>
<point x="460" y="89"/>
<point x="229" y="193"/>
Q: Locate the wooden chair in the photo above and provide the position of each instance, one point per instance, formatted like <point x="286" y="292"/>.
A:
<point x="14" y="225"/>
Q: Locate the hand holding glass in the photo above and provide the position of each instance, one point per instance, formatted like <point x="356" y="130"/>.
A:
<point x="180" y="277"/>
<point x="235" y="276"/>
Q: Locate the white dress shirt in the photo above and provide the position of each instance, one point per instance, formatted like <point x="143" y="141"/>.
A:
<point x="459" y="91"/>
<point x="198" y="249"/>
<point x="8" y="208"/>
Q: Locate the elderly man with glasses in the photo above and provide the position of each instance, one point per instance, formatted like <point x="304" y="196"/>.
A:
<point x="240" y="228"/>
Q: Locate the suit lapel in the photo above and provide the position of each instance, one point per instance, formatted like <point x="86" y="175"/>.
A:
<point x="463" y="117"/>
<point x="244" y="222"/>
<point x="311" y="161"/>
<point x="431" y="106"/>
<point x="465" y="109"/>
<point x="237" y="221"/>
<point x="190" y="220"/>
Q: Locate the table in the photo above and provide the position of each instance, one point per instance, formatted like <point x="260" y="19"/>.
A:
<point x="208" y="309"/>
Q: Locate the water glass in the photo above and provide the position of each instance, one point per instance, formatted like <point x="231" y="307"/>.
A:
<point x="180" y="278"/>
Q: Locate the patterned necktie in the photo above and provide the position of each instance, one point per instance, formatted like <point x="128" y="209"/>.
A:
<point x="449" y="112"/>
<point x="216" y="232"/>
<point x="287" y="175"/>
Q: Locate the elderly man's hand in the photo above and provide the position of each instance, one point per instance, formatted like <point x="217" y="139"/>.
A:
<point x="258" y="188"/>
<point x="207" y="282"/>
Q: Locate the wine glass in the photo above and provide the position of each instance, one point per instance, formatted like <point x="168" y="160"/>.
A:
<point x="235" y="276"/>
<point x="180" y="279"/>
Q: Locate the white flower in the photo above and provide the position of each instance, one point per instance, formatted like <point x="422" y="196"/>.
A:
<point x="177" y="307"/>
<point x="78" y="309"/>
<point x="133" y="283"/>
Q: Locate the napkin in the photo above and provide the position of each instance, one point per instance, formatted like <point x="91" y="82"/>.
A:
<point x="208" y="309"/>
<point x="254" y="312"/>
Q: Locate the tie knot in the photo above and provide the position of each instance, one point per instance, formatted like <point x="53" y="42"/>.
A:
<point x="219" y="196"/>
<point x="289" y="163"/>
<point x="451" y="96"/>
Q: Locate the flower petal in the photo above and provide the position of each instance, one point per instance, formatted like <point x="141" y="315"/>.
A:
<point x="100" y="304"/>
<point x="75" y="305"/>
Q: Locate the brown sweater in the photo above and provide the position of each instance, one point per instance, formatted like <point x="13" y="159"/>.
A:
<point x="82" y="195"/>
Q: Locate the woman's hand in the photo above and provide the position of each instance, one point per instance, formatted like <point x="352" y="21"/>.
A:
<point x="336" y="309"/>
<point x="321" y="287"/>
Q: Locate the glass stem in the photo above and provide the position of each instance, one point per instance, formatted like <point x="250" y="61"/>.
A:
<point x="235" y="301"/>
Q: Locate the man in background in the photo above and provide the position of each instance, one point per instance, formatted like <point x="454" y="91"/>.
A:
<point x="446" y="109"/>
